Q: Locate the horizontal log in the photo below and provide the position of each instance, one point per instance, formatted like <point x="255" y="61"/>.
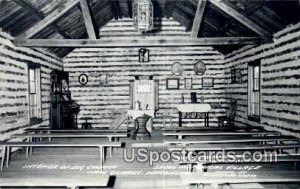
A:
<point x="163" y="42"/>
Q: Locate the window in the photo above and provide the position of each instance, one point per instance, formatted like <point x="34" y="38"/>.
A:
<point x="254" y="77"/>
<point x="34" y="80"/>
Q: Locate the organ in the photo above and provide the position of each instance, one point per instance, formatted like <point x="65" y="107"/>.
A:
<point x="64" y="110"/>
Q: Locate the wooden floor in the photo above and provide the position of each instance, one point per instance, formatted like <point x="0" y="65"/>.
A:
<point x="84" y="162"/>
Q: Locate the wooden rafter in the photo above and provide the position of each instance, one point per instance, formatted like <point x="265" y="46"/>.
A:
<point x="39" y="15"/>
<point x="88" y="20"/>
<point x="241" y="18"/>
<point x="150" y="42"/>
<point x="113" y="8"/>
<point x="198" y="18"/>
<point x="49" y="19"/>
<point x="249" y="10"/>
<point x="129" y="6"/>
<point x="169" y="8"/>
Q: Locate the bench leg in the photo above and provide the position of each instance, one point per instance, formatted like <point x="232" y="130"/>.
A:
<point x="72" y="187"/>
<point x="199" y="186"/>
<point x="31" y="148"/>
<point x="101" y="157"/>
<point x="111" y="139"/>
<point x="3" y="157"/>
<point x="7" y="155"/>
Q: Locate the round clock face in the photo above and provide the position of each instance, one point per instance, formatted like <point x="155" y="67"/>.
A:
<point x="177" y="68"/>
<point x="199" y="68"/>
<point x="83" y="79"/>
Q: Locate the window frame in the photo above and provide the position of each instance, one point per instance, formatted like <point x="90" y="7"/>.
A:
<point x="37" y="118"/>
<point x="251" y="89"/>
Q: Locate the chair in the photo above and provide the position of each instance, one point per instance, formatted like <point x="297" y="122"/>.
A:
<point x="140" y="128"/>
<point x="169" y="115"/>
<point x="86" y="125"/>
<point x="228" y="121"/>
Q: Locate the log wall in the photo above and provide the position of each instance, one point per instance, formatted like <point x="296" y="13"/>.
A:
<point x="14" y="115"/>
<point x="280" y="71"/>
<point x="105" y="103"/>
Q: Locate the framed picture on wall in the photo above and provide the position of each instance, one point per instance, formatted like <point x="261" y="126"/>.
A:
<point x="143" y="55"/>
<point x="207" y="82"/>
<point x="188" y="83"/>
<point x="172" y="83"/>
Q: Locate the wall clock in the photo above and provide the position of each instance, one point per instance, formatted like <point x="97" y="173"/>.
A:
<point x="199" y="68"/>
<point x="83" y="79"/>
<point x="177" y="68"/>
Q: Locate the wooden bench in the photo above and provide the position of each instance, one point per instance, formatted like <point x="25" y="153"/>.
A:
<point x="180" y="134"/>
<point x="263" y="177"/>
<point x="281" y="158"/>
<point x="276" y="139"/>
<point x="57" y="181"/>
<point x="196" y="147"/>
<point x="43" y="130"/>
<point x="6" y="148"/>
<point x="212" y="129"/>
<point x="110" y="136"/>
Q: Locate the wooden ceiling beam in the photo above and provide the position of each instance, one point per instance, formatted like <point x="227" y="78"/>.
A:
<point x="150" y="42"/>
<point x="39" y="15"/>
<point x="49" y="19"/>
<point x="198" y="18"/>
<point x="91" y="28"/>
<point x="241" y="18"/>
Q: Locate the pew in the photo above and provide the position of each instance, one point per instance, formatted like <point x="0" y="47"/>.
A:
<point x="219" y="180"/>
<point x="180" y="134"/>
<point x="276" y="139"/>
<point x="73" y="182"/>
<point x="6" y="146"/>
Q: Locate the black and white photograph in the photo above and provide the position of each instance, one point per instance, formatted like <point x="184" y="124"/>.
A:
<point x="150" y="94"/>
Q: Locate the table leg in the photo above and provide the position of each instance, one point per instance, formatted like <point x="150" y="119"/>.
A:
<point x="3" y="157"/>
<point x="180" y="119"/>
<point x="27" y="148"/>
<point x="207" y="119"/>
<point x="7" y="155"/>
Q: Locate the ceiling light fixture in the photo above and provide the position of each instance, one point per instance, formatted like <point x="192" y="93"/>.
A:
<point x="142" y="15"/>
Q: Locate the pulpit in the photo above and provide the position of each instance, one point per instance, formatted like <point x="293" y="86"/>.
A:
<point x="143" y="104"/>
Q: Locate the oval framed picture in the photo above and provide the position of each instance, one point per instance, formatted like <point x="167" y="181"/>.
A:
<point x="177" y="68"/>
<point x="199" y="68"/>
<point x="83" y="79"/>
